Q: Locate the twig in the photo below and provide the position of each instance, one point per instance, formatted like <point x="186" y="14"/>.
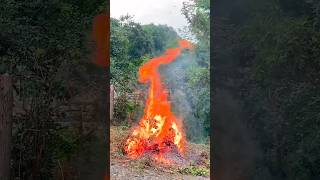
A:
<point x="61" y="169"/>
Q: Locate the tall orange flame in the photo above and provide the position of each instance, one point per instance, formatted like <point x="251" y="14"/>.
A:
<point x="159" y="128"/>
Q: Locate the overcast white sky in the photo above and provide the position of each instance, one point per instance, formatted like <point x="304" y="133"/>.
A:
<point x="150" y="11"/>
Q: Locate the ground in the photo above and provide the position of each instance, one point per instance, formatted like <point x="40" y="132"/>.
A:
<point x="122" y="168"/>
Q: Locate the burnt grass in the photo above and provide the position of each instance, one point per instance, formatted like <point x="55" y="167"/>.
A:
<point x="194" y="165"/>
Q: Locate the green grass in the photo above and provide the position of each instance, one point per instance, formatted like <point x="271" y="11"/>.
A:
<point x="194" y="171"/>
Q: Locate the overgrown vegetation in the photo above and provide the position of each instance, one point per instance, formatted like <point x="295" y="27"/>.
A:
<point x="43" y="45"/>
<point x="132" y="44"/>
<point x="195" y="171"/>
<point x="273" y="58"/>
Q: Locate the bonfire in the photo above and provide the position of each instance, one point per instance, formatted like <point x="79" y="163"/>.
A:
<point x="159" y="130"/>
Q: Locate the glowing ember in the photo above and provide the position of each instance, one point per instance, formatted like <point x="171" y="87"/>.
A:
<point x="159" y="130"/>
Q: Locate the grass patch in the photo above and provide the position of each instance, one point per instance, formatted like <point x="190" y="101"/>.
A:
<point x="195" y="171"/>
<point x="143" y="163"/>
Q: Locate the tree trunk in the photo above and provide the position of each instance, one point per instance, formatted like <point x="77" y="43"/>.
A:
<point x="6" y="105"/>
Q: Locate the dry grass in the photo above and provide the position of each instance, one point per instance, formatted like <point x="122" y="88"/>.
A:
<point x="199" y="155"/>
<point x="117" y="136"/>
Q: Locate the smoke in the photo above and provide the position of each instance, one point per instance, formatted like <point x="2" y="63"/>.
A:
<point x="175" y="76"/>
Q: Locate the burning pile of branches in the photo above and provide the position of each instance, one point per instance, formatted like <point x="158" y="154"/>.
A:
<point x="159" y="131"/>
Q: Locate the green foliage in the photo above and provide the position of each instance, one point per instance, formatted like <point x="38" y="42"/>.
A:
<point x="195" y="171"/>
<point x="198" y="84"/>
<point x="66" y="143"/>
<point x="41" y="43"/>
<point x="287" y="67"/>
<point x="197" y="13"/>
<point x="197" y="76"/>
<point x="279" y="53"/>
<point x="163" y="37"/>
<point x="133" y="44"/>
<point x="122" y="108"/>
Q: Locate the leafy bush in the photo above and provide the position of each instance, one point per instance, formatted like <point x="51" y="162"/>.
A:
<point x="123" y="107"/>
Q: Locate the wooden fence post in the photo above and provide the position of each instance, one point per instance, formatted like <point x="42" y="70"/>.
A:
<point x="111" y="101"/>
<point x="6" y="106"/>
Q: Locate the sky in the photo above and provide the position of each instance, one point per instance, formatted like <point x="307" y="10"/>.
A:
<point x="151" y="11"/>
